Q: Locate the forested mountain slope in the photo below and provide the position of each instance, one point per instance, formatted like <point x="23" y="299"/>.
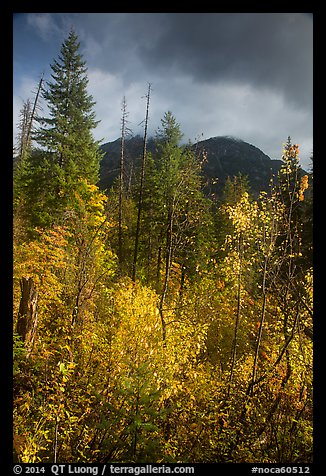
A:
<point x="225" y="157"/>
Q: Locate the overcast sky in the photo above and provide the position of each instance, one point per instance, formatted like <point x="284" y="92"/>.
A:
<point x="247" y="75"/>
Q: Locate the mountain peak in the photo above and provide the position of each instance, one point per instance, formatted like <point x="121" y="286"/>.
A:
<point x="227" y="156"/>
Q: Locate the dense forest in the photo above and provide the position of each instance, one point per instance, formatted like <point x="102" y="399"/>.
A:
<point x="153" y="323"/>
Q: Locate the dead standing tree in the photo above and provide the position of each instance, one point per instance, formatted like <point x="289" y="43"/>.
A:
<point x="141" y="189"/>
<point x="27" y="314"/>
<point x="124" y="131"/>
<point x="28" y="116"/>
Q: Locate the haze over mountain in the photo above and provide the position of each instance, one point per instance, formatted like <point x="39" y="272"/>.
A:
<point x="225" y="157"/>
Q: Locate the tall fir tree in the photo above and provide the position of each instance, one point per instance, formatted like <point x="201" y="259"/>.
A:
<point x="68" y="152"/>
<point x="67" y="133"/>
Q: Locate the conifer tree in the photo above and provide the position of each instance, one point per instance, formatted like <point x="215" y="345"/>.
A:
<point x="176" y="211"/>
<point x="23" y="137"/>
<point x="67" y="151"/>
<point x="67" y="133"/>
<point x="24" y="146"/>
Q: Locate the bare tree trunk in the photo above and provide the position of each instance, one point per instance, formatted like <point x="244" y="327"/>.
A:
<point x="55" y="443"/>
<point x="260" y="332"/>
<point x="121" y="175"/>
<point x="131" y="171"/>
<point x="26" y="123"/>
<point x="150" y="241"/>
<point x="168" y="260"/>
<point x="141" y="190"/>
<point x="24" y="127"/>
<point x="34" y="110"/>
<point x="237" y="320"/>
<point x="158" y="269"/>
<point x="27" y="315"/>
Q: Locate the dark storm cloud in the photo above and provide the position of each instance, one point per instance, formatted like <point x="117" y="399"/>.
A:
<point x="266" y="50"/>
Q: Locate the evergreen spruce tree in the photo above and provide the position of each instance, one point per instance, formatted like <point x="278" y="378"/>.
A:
<point x="22" y="149"/>
<point x="68" y="153"/>
<point x="67" y="133"/>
